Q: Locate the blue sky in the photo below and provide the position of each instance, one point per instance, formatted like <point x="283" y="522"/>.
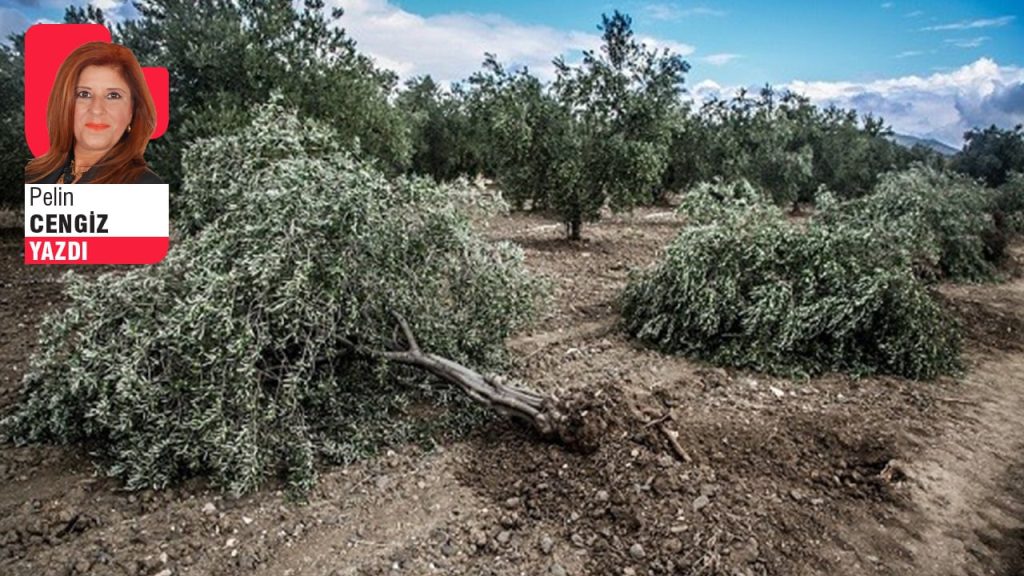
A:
<point x="778" y="42"/>
<point x="930" y="69"/>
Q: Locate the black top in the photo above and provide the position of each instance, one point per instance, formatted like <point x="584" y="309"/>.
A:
<point x="146" y="177"/>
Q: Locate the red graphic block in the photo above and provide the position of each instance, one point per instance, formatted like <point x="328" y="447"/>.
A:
<point x="95" y="250"/>
<point x="159" y="82"/>
<point x="46" y="48"/>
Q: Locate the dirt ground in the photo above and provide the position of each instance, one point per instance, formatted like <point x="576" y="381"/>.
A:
<point x="702" y="470"/>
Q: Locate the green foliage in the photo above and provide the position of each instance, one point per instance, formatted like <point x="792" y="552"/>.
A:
<point x="783" y="145"/>
<point x="525" y="135"/>
<point x="1009" y="203"/>
<point x="226" y="359"/>
<point x="708" y="203"/>
<point x="85" y="15"/>
<point x="224" y="58"/>
<point x="440" y="131"/>
<point x="599" y="136"/>
<point x="622" y="100"/>
<point x="852" y="155"/>
<point x="991" y="154"/>
<point x="14" y="153"/>
<point x="743" y="287"/>
<point x="943" y="222"/>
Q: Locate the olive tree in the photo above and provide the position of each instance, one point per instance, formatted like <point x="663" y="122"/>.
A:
<point x="991" y="154"/>
<point x="945" y="222"/>
<point x="14" y="152"/>
<point x="744" y="287"/>
<point x="444" y="142"/>
<point x="621" y="100"/>
<point x="784" y="145"/>
<point x="1009" y="204"/>
<point x="525" y="133"/>
<point x="224" y="58"/>
<point x="281" y="328"/>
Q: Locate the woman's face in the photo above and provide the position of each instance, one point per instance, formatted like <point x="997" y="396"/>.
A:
<point x="103" y="108"/>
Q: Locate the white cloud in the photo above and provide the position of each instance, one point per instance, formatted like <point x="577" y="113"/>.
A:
<point x="116" y="10"/>
<point x="661" y="11"/>
<point x="972" y="24"/>
<point x="707" y="90"/>
<point x="658" y="44"/>
<point x="61" y="4"/>
<point x="12" y="21"/>
<point x="908" y="54"/>
<point x="720" y="59"/>
<point x="942" y="106"/>
<point x="672" y="12"/>
<point x="913" y="14"/>
<point x="106" y="5"/>
<point x="451" y="46"/>
<point x="967" y="42"/>
<point x="887" y="5"/>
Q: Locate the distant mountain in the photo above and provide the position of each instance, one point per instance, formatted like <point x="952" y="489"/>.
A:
<point x="909" y="142"/>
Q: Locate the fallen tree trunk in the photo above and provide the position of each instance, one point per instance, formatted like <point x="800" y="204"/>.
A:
<point x="542" y="413"/>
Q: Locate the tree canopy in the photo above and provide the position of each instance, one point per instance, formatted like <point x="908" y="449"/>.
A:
<point x="744" y="287"/>
<point x="233" y="356"/>
<point x="991" y="154"/>
<point x="622" y="99"/>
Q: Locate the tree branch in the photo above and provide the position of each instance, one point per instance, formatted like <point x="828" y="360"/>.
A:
<point x="537" y="410"/>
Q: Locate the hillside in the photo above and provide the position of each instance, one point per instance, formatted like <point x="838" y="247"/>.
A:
<point x="910" y="141"/>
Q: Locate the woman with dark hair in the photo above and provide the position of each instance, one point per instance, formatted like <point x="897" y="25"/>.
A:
<point x="100" y="116"/>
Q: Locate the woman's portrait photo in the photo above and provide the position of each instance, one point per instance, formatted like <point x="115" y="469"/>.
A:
<point x="100" y="116"/>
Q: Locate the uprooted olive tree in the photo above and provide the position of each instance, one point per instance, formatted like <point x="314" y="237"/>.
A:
<point x="744" y="287"/>
<point x="948" y="225"/>
<point x="297" y="319"/>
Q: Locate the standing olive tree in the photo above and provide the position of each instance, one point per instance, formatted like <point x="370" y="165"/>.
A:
<point x="443" y="142"/>
<point x="224" y="58"/>
<point x="991" y="154"/>
<point x="621" y="100"/>
<point x="784" y="146"/>
<point x="524" y="133"/>
<point x="599" y="135"/>
<point x="14" y="153"/>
